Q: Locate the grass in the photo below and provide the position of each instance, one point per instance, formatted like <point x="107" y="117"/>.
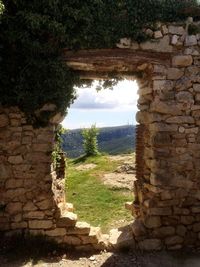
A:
<point x="93" y="201"/>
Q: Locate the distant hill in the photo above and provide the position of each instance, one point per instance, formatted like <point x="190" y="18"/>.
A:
<point x="112" y="140"/>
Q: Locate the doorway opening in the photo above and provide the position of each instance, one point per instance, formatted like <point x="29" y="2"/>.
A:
<point x="101" y="186"/>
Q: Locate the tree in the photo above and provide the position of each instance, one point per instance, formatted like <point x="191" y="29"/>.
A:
<point x="90" y="142"/>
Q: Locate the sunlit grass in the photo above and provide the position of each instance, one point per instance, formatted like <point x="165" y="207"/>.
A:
<point x="93" y="201"/>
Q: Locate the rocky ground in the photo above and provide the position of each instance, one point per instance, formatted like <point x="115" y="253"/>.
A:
<point x="187" y="258"/>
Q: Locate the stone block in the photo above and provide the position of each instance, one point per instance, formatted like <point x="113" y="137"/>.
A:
<point x="4" y="121"/>
<point x="181" y="120"/>
<point x="181" y="230"/>
<point x="121" y="239"/>
<point x="56" y="232"/>
<point x="196" y="227"/>
<point x="42" y="147"/>
<point x="15" y="159"/>
<point x="164" y="231"/>
<point x="165" y="108"/>
<point x="14" y="208"/>
<point x="150" y="244"/>
<point x="34" y="215"/>
<point x="182" y="61"/>
<point x="174" y="73"/>
<point x="166" y="195"/>
<point x="173" y="240"/>
<point x="187" y="220"/>
<point x="93" y="237"/>
<point x="19" y="225"/>
<point x="5" y="171"/>
<point x="152" y="221"/>
<point x="168" y="203"/>
<point x="181" y="211"/>
<point x="184" y="97"/>
<point x="29" y="206"/>
<point x="40" y="224"/>
<point x="190" y="40"/>
<point x="195" y="209"/>
<point x="72" y="240"/>
<point x="160" y="211"/>
<point x="161" y="45"/>
<point x="164" y="29"/>
<point x="158" y="34"/>
<point x="80" y="228"/>
<point x="14" y="183"/>
<point x="138" y="228"/>
<point x="179" y="30"/>
<point x="67" y="219"/>
<point x="45" y="204"/>
<point x="174" y="40"/>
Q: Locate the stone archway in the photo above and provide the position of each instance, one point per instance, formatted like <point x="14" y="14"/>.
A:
<point x="167" y="189"/>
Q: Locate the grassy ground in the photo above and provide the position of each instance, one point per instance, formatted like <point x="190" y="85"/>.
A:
<point x="93" y="201"/>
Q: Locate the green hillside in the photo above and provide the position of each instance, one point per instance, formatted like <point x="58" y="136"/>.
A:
<point x="112" y="140"/>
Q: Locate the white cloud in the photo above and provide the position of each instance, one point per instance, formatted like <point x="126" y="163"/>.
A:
<point x="122" y="97"/>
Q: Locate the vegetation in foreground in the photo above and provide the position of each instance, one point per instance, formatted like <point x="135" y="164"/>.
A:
<point x="93" y="201"/>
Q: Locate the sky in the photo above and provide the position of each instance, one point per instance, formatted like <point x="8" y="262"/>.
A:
<point x="104" y="108"/>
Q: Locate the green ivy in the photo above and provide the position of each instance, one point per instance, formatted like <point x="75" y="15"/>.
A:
<point x="33" y="34"/>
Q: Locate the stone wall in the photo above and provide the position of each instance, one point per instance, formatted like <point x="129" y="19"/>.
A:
<point x="31" y="195"/>
<point x="167" y="190"/>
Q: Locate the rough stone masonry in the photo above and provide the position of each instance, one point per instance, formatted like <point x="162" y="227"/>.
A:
<point x="167" y="190"/>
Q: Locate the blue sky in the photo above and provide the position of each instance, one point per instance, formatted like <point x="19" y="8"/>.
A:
<point x="103" y="108"/>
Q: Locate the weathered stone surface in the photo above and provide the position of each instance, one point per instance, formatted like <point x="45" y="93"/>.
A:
<point x="158" y="34"/>
<point x="160" y="211"/>
<point x="181" y="211"/>
<point x="80" y="228"/>
<point x="195" y="209"/>
<point x="196" y="87"/>
<point x="182" y="61"/>
<point x="165" y="108"/>
<point x="5" y="171"/>
<point x="56" y="232"/>
<point x="40" y="224"/>
<point x="174" y="40"/>
<point x="185" y="97"/>
<point x="164" y="231"/>
<point x="34" y="215"/>
<point x="161" y="45"/>
<point x="173" y="240"/>
<point x="45" y="204"/>
<point x="67" y="219"/>
<point x="93" y="237"/>
<point x="29" y="206"/>
<point x="14" y="208"/>
<point x="121" y="239"/>
<point x="196" y="227"/>
<point x="4" y="121"/>
<point x="181" y="120"/>
<point x="187" y="220"/>
<point x="190" y="40"/>
<point x="179" y="30"/>
<point x="14" y="183"/>
<point x="181" y="230"/>
<point x="150" y="244"/>
<point x="174" y="73"/>
<point x="19" y="225"/>
<point x="15" y="159"/>
<point x="138" y="228"/>
<point x="72" y="240"/>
